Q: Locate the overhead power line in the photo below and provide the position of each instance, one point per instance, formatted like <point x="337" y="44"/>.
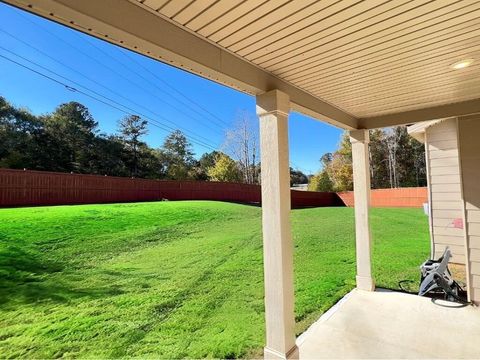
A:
<point x="125" y="53"/>
<point x="73" y="89"/>
<point x="93" y="81"/>
<point x="111" y="69"/>
<point x="217" y="120"/>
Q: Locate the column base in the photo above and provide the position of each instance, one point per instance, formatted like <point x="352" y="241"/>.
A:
<point x="276" y="355"/>
<point x="365" y="283"/>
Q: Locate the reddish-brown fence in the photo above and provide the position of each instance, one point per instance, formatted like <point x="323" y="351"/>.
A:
<point x="26" y="188"/>
<point x="403" y="197"/>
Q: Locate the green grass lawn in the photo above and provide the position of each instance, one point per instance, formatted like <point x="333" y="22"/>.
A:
<point x="175" y="279"/>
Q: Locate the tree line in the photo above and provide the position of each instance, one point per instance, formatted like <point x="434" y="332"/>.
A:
<point x="68" y="140"/>
<point x="396" y="160"/>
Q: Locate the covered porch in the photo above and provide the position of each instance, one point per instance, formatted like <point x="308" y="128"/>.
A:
<point x="356" y="65"/>
<point x="368" y="323"/>
<point x="392" y="325"/>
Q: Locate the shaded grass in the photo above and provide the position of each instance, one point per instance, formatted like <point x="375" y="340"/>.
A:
<point x="175" y="279"/>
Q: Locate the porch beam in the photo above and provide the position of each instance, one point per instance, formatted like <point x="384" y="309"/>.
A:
<point x="414" y="116"/>
<point x="134" y="26"/>
<point x="361" y="187"/>
<point x="272" y="109"/>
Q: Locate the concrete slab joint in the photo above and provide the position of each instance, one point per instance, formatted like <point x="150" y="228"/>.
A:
<point x="272" y="109"/>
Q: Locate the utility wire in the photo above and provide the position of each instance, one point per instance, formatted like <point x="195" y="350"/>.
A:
<point x="109" y="68"/>
<point x="125" y="53"/>
<point x="132" y="111"/>
<point x="93" y="81"/>
<point x="73" y="89"/>
<point x="214" y="118"/>
<point x="97" y="83"/>
<point x="121" y="50"/>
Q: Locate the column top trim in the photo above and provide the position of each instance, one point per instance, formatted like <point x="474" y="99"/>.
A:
<point x="273" y="102"/>
<point x="261" y="113"/>
<point x="359" y="136"/>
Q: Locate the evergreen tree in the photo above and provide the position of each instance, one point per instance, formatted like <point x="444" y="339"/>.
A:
<point x="176" y="157"/>
<point x="71" y="129"/>
<point x="297" y="177"/>
<point x="108" y="157"/>
<point x="132" y="128"/>
<point x="23" y="142"/>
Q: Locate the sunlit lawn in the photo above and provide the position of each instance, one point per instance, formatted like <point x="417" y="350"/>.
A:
<point x="175" y="279"/>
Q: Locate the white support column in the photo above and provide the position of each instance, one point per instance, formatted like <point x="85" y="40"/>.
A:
<point x="273" y="108"/>
<point x="361" y="187"/>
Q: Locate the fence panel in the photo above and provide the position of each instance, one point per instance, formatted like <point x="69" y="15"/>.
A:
<point x="402" y="197"/>
<point x="33" y="188"/>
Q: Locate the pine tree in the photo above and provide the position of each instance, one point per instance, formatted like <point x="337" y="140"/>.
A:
<point x="132" y="128"/>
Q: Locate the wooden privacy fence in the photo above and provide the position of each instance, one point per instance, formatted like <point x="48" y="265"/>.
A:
<point x="30" y="188"/>
<point x="402" y="197"/>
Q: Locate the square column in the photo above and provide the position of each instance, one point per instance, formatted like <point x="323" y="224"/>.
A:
<point x="272" y="109"/>
<point x="361" y="188"/>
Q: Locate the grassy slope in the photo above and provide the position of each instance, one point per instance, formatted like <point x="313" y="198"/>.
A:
<point x="174" y="279"/>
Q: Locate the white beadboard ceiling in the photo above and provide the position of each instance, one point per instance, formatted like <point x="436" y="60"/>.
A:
<point x="368" y="57"/>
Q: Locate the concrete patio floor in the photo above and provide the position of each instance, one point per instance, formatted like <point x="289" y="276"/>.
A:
<point x="385" y="324"/>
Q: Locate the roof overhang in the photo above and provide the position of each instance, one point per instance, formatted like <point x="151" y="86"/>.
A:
<point x="426" y="114"/>
<point x="417" y="131"/>
<point x="135" y="25"/>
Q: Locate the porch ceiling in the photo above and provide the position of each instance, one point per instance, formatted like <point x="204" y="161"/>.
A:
<point x="366" y="57"/>
<point x="356" y="64"/>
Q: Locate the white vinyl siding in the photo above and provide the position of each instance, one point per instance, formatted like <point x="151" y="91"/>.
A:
<point x="445" y="189"/>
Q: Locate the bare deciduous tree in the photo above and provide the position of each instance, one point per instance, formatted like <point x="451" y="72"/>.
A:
<point x="396" y="160"/>
<point x="241" y="143"/>
<point x="392" y="140"/>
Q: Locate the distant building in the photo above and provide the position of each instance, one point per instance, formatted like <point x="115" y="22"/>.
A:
<point x="302" y="187"/>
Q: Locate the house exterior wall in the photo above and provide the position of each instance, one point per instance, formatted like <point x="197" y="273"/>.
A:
<point x="444" y="180"/>
<point x="469" y="145"/>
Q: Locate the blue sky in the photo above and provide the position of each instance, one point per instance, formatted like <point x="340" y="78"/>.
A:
<point x="142" y="84"/>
